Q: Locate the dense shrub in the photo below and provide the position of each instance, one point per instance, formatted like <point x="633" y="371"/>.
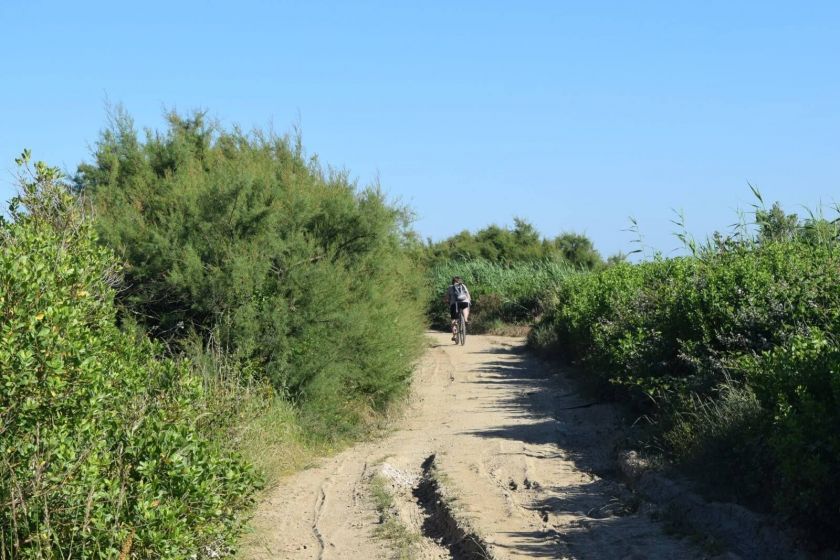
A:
<point x="294" y="272"/>
<point x="798" y="385"/>
<point x="732" y="350"/>
<point x="98" y="451"/>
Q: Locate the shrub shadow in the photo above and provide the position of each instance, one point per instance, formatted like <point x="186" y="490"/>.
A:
<point x="549" y="410"/>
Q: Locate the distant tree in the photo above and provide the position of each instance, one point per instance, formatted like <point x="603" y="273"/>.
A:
<point x="775" y="224"/>
<point x="617" y="258"/>
<point x="518" y="244"/>
<point x="578" y="250"/>
<point x="495" y="244"/>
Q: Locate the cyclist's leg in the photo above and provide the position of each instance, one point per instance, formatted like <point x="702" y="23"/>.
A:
<point x="453" y="315"/>
<point x="467" y="313"/>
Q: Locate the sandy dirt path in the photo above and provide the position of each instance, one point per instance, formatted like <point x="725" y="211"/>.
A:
<point x="521" y="463"/>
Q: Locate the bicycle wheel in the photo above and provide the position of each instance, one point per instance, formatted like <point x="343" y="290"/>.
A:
<point x="462" y="328"/>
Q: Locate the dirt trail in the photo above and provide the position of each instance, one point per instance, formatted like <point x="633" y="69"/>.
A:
<point x="496" y="458"/>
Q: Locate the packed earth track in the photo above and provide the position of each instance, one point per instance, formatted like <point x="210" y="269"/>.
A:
<point x="496" y="456"/>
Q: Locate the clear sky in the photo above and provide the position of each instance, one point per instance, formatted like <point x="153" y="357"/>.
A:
<point x="573" y="115"/>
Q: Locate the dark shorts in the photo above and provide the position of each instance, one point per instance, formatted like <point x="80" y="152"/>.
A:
<point x="453" y="311"/>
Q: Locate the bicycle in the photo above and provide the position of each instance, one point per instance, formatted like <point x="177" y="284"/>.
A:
<point x="460" y="327"/>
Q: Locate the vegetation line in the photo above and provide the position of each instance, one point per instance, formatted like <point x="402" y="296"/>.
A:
<point x="731" y="355"/>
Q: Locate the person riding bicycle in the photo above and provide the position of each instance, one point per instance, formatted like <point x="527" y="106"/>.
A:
<point x="458" y="297"/>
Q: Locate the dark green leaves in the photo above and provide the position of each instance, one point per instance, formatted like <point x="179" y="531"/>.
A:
<point x="83" y="405"/>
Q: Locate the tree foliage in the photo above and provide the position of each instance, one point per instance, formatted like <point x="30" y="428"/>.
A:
<point x="578" y="250"/>
<point x="519" y="244"/>
<point x="241" y="238"/>
<point x="734" y="351"/>
<point x="99" y="453"/>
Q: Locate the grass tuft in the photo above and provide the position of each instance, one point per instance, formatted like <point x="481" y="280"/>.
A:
<point x="390" y="528"/>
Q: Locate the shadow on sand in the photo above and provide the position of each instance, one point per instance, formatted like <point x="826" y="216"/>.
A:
<point x="551" y="412"/>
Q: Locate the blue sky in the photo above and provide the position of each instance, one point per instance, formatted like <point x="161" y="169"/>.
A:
<point x="573" y="115"/>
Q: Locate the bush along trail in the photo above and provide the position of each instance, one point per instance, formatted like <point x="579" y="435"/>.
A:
<point x="189" y="317"/>
<point x="301" y="278"/>
<point x="731" y="355"/>
<point x="100" y="455"/>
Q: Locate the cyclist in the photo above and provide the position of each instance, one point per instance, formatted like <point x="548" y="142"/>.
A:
<point x="457" y="297"/>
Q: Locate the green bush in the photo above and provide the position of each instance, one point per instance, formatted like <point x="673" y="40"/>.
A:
<point x="798" y="384"/>
<point x="99" y="454"/>
<point x="297" y="274"/>
<point x="732" y="351"/>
